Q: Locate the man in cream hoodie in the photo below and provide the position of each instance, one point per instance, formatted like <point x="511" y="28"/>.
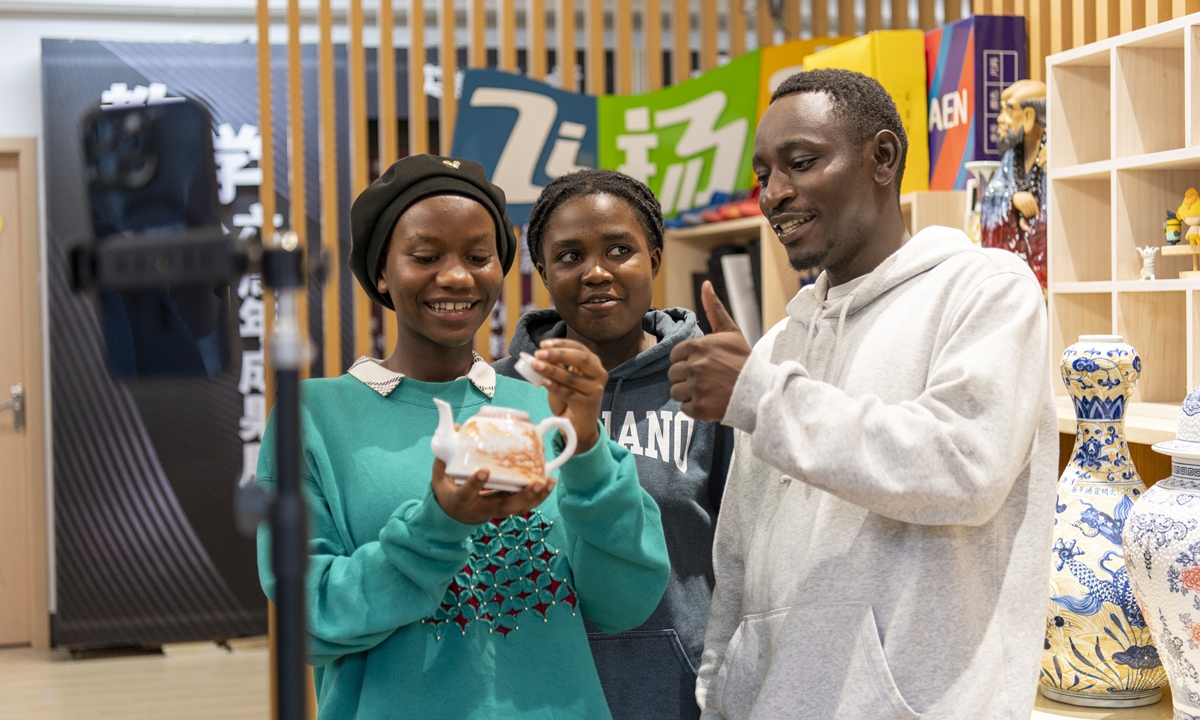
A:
<point x="883" y="545"/>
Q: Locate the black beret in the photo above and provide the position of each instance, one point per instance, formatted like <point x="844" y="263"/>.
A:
<point x="408" y="180"/>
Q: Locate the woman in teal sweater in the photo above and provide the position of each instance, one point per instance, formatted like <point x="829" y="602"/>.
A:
<point x="427" y="599"/>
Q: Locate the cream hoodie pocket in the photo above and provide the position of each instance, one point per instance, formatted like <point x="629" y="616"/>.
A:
<point x="823" y="662"/>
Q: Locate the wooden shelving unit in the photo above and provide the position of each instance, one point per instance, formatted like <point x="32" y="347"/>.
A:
<point x="934" y="207"/>
<point x="686" y="251"/>
<point x="1124" y="125"/>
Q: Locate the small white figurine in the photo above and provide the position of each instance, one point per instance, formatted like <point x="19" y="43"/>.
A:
<point x="1148" y="253"/>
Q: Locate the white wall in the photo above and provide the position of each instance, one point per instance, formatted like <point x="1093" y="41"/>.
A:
<point x="21" y="56"/>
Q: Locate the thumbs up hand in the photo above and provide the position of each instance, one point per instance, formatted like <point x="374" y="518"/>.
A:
<point x="704" y="370"/>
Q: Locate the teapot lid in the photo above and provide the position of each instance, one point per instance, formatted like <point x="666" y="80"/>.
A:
<point x="503" y="411"/>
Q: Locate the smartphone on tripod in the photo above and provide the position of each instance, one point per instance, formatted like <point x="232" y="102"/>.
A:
<point x="150" y="173"/>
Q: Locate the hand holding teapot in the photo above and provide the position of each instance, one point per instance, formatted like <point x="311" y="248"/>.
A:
<point x="470" y="504"/>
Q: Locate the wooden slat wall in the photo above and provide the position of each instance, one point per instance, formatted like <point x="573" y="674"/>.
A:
<point x="819" y="12"/>
<point x="331" y="316"/>
<point x="653" y="36"/>
<point x="1053" y="26"/>
<point x="536" y="27"/>
<point x="874" y="15"/>
<point x="389" y="129"/>
<point x="596" y="80"/>
<point x="623" y="57"/>
<point x="359" y="159"/>
<point x="566" y="44"/>
<point x="448" y="58"/>
<point x="764" y="24"/>
<point x="297" y="206"/>
<point x="507" y="10"/>
<point x="478" y="51"/>
<point x="847" y="19"/>
<point x="681" y="34"/>
<point x="708" y="35"/>
<point x="266" y="191"/>
<point x="418" y="109"/>
<point x="737" y="27"/>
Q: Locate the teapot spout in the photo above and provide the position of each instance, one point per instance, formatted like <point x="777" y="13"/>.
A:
<point x="445" y="438"/>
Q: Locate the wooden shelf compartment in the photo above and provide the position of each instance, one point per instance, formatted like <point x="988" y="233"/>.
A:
<point x="1184" y="158"/>
<point x="1192" y="50"/>
<point x="923" y="209"/>
<point x="1193" y="340"/>
<point x="1072" y="316"/>
<point x="1080" y="237"/>
<point x="1156" y="324"/>
<point x="1079" y="101"/>
<point x="1143" y="198"/>
<point x="686" y="251"/>
<point x="1149" y="94"/>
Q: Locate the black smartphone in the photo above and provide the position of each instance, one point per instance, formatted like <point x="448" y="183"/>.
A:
<point x="151" y="173"/>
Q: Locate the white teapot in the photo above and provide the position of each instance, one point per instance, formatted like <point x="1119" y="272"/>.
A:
<point x="503" y="441"/>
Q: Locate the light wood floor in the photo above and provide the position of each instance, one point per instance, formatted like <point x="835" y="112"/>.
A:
<point x="204" y="682"/>
<point x="187" y="682"/>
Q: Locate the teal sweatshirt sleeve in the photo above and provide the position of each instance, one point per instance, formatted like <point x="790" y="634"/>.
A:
<point x="615" y="538"/>
<point x="357" y="597"/>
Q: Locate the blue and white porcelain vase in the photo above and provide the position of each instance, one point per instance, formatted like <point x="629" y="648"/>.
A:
<point x="1162" y="546"/>
<point x="1098" y="650"/>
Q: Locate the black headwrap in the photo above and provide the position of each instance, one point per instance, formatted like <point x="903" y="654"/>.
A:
<point x="376" y="210"/>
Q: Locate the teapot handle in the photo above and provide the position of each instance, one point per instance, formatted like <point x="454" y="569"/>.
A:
<point x="565" y="427"/>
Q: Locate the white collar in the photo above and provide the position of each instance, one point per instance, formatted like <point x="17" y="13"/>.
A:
<point x="383" y="381"/>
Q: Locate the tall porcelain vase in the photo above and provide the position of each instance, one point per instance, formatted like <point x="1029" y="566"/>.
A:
<point x="1162" y="545"/>
<point x="1098" y="650"/>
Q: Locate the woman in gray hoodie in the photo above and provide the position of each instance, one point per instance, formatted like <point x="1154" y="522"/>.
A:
<point x="596" y="239"/>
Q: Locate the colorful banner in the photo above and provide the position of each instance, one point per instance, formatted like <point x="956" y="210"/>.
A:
<point x="969" y="63"/>
<point x="896" y="58"/>
<point x="779" y="62"/>
<point x="691" y="143"/>
<point x="525" y="133"/>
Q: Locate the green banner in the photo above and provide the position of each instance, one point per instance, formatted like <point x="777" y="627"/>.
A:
<point x="692" y="142"/>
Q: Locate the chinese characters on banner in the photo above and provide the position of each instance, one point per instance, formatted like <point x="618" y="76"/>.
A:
<point x="691" y="143"/>
<point x="547" y="133"/>
<point x="239" y="176"/>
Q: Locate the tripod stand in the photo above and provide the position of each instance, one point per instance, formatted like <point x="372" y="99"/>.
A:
<point x="206" y="258"/>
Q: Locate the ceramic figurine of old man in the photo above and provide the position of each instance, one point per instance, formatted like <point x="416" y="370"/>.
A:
<point x="1014" y="203"/>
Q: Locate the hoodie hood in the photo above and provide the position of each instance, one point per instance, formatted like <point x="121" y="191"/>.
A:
<point x="924" y="251"/>
<point x="671" y="326"/>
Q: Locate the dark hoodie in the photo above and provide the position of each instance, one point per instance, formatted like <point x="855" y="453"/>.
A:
<point x="650" y="672"/>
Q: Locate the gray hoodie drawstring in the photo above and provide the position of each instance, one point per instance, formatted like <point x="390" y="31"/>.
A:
<point x="612" y="406"/>
<point x="837" y="337"/>
<point x="812" y="332"/>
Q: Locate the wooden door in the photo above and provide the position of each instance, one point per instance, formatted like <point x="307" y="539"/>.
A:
<point x="24" y="615"/>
